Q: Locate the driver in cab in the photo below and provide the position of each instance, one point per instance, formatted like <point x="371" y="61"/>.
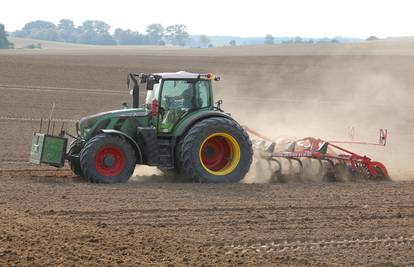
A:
<point x="186" y="96"/>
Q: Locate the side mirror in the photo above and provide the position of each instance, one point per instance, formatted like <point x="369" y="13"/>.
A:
<point x="150" y="83"/>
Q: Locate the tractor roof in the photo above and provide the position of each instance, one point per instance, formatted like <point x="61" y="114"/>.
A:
<point x="178" y="75"/>
<point x="186" y="75"/>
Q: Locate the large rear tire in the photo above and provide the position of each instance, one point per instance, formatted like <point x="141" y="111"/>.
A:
<point x="107" y="159"/>
<point x="216" y="150"/>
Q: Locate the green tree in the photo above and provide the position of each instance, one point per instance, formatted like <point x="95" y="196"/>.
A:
<point x="128" y="37"/>
<point x="298" y="40"/>
<point x="372" y="38"/>
<point x="67" y="31"/>
<point x="95" y="26"/>
<point x="38" y="25"/>
<point x="47" y="34"/>
<point x="232" y="43"/>
<point x="204" y="40"/>
<point x="155" y="33"/>
<point x="177" y="34"/>
<point x="39" y="29"/>
<point x="269" y="39"/>
<point x="4" y="43"/>
<point x="95" y="32"/>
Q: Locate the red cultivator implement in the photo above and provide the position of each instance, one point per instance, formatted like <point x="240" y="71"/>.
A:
<point x="327" y="160"/>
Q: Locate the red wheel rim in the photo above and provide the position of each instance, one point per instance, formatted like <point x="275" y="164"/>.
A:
<point x="110" y="161"/>
<point x="216" y="153"/>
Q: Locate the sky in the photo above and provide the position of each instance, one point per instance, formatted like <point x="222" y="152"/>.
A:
<point x="305" y="18"/>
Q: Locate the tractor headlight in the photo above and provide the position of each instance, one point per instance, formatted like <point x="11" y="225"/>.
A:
<point x="211" y="76"/>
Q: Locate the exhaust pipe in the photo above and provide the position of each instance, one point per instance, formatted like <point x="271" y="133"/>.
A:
<point x="133" y="89"/>
<point x="135" y="98"/>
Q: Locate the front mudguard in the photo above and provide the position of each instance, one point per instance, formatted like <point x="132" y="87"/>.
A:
<point x="135" y="146"/>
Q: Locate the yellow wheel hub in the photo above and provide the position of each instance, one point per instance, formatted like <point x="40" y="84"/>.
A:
<point x="219" y="153"/>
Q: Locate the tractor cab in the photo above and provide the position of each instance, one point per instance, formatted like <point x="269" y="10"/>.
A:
<point x="172" y="96"/>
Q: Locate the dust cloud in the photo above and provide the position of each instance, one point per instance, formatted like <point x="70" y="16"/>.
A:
<point x="323" y="97"/>
<point x="143" y="174"/>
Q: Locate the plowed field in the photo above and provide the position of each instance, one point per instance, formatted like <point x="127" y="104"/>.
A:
<point x="48" y="217"/>
<point x="52" y="219"/>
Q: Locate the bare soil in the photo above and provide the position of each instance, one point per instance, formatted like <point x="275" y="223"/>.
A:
<point x="56" y="220"/>
<point x="48" y="217"/>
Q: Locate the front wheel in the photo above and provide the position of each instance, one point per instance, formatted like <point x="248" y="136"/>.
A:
<point x="216" y="150"/>
<point x="107" y="159"/>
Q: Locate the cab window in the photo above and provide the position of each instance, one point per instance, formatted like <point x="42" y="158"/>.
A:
<point x="179" y="97"/>
<point x="203" y="94"/>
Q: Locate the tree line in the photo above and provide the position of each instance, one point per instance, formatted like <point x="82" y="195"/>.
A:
<point x="96" y="32"/>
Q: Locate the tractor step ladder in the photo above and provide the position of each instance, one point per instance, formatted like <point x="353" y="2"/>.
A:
<point x="165" y="152"/>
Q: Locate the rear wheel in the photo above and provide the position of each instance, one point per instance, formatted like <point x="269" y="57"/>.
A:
<point x="216" y="150"/>
<point x="107" y="159"/>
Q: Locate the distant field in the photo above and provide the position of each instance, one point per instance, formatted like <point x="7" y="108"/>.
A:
<point x="22" y="43"/>
<point x="397" y="46"/>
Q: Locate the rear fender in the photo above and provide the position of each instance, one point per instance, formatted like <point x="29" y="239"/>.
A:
<point x="187" y="123"/>
<point x="137" y="149"/>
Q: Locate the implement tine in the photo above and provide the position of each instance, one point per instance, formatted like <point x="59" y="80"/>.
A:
<point x="277" y="174"/>
<point x="300" y="172"/>
<point x="290" y="165"/>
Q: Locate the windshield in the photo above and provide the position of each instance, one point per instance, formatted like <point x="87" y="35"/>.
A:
<point x="179" y="97"/>
<point x="185" y="94"/>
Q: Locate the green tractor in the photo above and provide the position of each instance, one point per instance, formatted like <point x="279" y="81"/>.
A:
<point x="179" y="129"/>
